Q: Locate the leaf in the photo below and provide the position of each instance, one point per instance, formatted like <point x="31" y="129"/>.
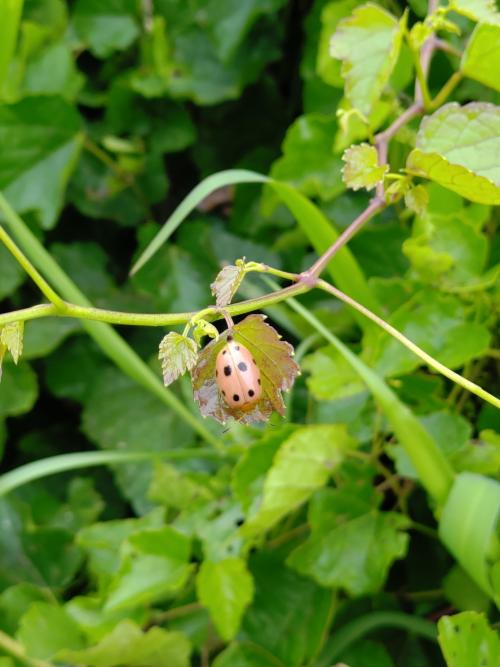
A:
<point x="106" y="25"/>
<point x="11" y="339"/>
<point x="11" y="273"/>
<point x="119" y="414"/>
<point x="456" y="147"/>
<point x="41" y="140"/>
<point x="178" y="354"/>
<point x="417" y="199"/>
<point x="156" y="647"/>
<point x="481" y="58"/>
<point x="303" y="463"/>
<point x="332" y="377"/>
<point x="227" y="283"/>
<point x="204" y="328"/>
<point x="171" y="488"/>
<point x="483" y="11"/>
<point x="15" y="602"/>
<point x="326" y="67"/>
<point x="274" y="359"/>
<point x="155" y="567"/>
<point x="226" y="589"/>
<point x="349" y="548"/>
<point x="18" y="390"/>
<point x="242" y="655"/>
<point x="367" y="70"/>
<point x="46" y="629"/>
<point x="308" y="160"/>
<point x="53" y="71"/>
<point x="467" y="640"/>
<point x="362" y="169"/>
<point x="289" y="616"/>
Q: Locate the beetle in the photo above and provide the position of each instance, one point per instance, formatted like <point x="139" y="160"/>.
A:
<point x="238" y="376"/>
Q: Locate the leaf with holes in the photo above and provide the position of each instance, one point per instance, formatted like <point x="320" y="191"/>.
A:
<point x="362" y="169"/>
<point x="177" y="355"/>
<point x="227" y="282"/>
<point x="367" y="70"/>
<point x="272" y="355"/>
<point x="457" y="147"/>
<point x="466" y="639"/>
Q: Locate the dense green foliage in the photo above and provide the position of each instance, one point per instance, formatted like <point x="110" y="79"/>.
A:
<point x="354" y="528"/>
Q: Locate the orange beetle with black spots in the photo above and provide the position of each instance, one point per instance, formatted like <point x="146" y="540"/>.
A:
<point x="238" y="376"/>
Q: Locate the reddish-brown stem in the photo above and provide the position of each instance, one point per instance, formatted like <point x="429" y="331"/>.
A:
<point x="426" y="52"/>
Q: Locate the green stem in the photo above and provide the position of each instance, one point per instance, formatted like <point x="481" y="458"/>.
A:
<point x="35" y="276"/>
<point x="17" y="651"/>
<point x="57" y="464"/>
<point x="361" y="626"/>
<point x="446" y="91"/>
<point x="422" y="80"/>
<point x="433" y="363"/>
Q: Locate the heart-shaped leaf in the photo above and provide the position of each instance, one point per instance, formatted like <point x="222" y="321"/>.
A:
<point x="274" y="359"/>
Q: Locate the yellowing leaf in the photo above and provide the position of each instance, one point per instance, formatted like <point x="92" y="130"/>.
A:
<point x="362" y="169"/>
<point x="226" y="284"/>
<point x="177" y="355"/>
<point x="11" y="335"/>
<point x="226" y="589"/>
<point x="481" y="58"/>
<point x="458" y="147"/>
<point x="368" y="43"/>
<point x="304" y="463"/>
<point x="417" y="199"/>
<point x="273" y="357"/>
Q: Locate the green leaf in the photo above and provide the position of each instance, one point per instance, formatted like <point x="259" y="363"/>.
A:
<point x="304" y="463"/>
<point x="106" y="25"/>
<point x="15" y="602"/>
<point x="41" y="140"/>
<point x="438" y="323"/>
<point x="177" y="354"/>
<point x="467" y="640"/>
<point x="362" y="169"/>
<point x="119" y="414"/>
<point x="289" y="616"/>
<point x="308" y="160"/>
<point x="226" y="284"/>
<point x="351" y="546"/>
<point x="53" y="72"/>
<point x="155" y="568"/>
<point x="367" y="70"/>
<point x="483" y="11"/>
<point x="272" y="356"/>
<point x="481" y="58"/>
<point x="332" y="376"/>
<point x="242" y="655"/>
<point x="156" y="647"/>
<point x="456" y="147"/>
<point x="18" y="390"/>
<point x="171" y="488"/>
<point x="11" y="337"/>
<point x="226" y="589"/>
<point x="326" y="67"/>
<point x="463" y="593"/>
<point x="41" y="337"/>
<point x="11" y="274"/>
<point x="46" y="629"/>
<point x="366" y="652"/>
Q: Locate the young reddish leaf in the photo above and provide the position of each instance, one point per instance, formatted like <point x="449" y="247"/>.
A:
<point x="361" y="169"/>
<point x="274" y="359"/>
<point x="227" y="282"/>
<point x="177" y="355"/>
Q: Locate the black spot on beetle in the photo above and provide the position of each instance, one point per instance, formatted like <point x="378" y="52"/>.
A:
<point x="254" y="361"/>
<point x="236" y="397"/>
<point x="216" y="373"/>
<point x="251" y="393"/>
<point x="223" y="392"/>
<point x="259" y="381"/>
<point x="242" y="366"/>
<point x="227" y="370"/>
<point x="224" y="351"/>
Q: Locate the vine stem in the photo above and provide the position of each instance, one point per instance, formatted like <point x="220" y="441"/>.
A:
<point x="430" y="361"/>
